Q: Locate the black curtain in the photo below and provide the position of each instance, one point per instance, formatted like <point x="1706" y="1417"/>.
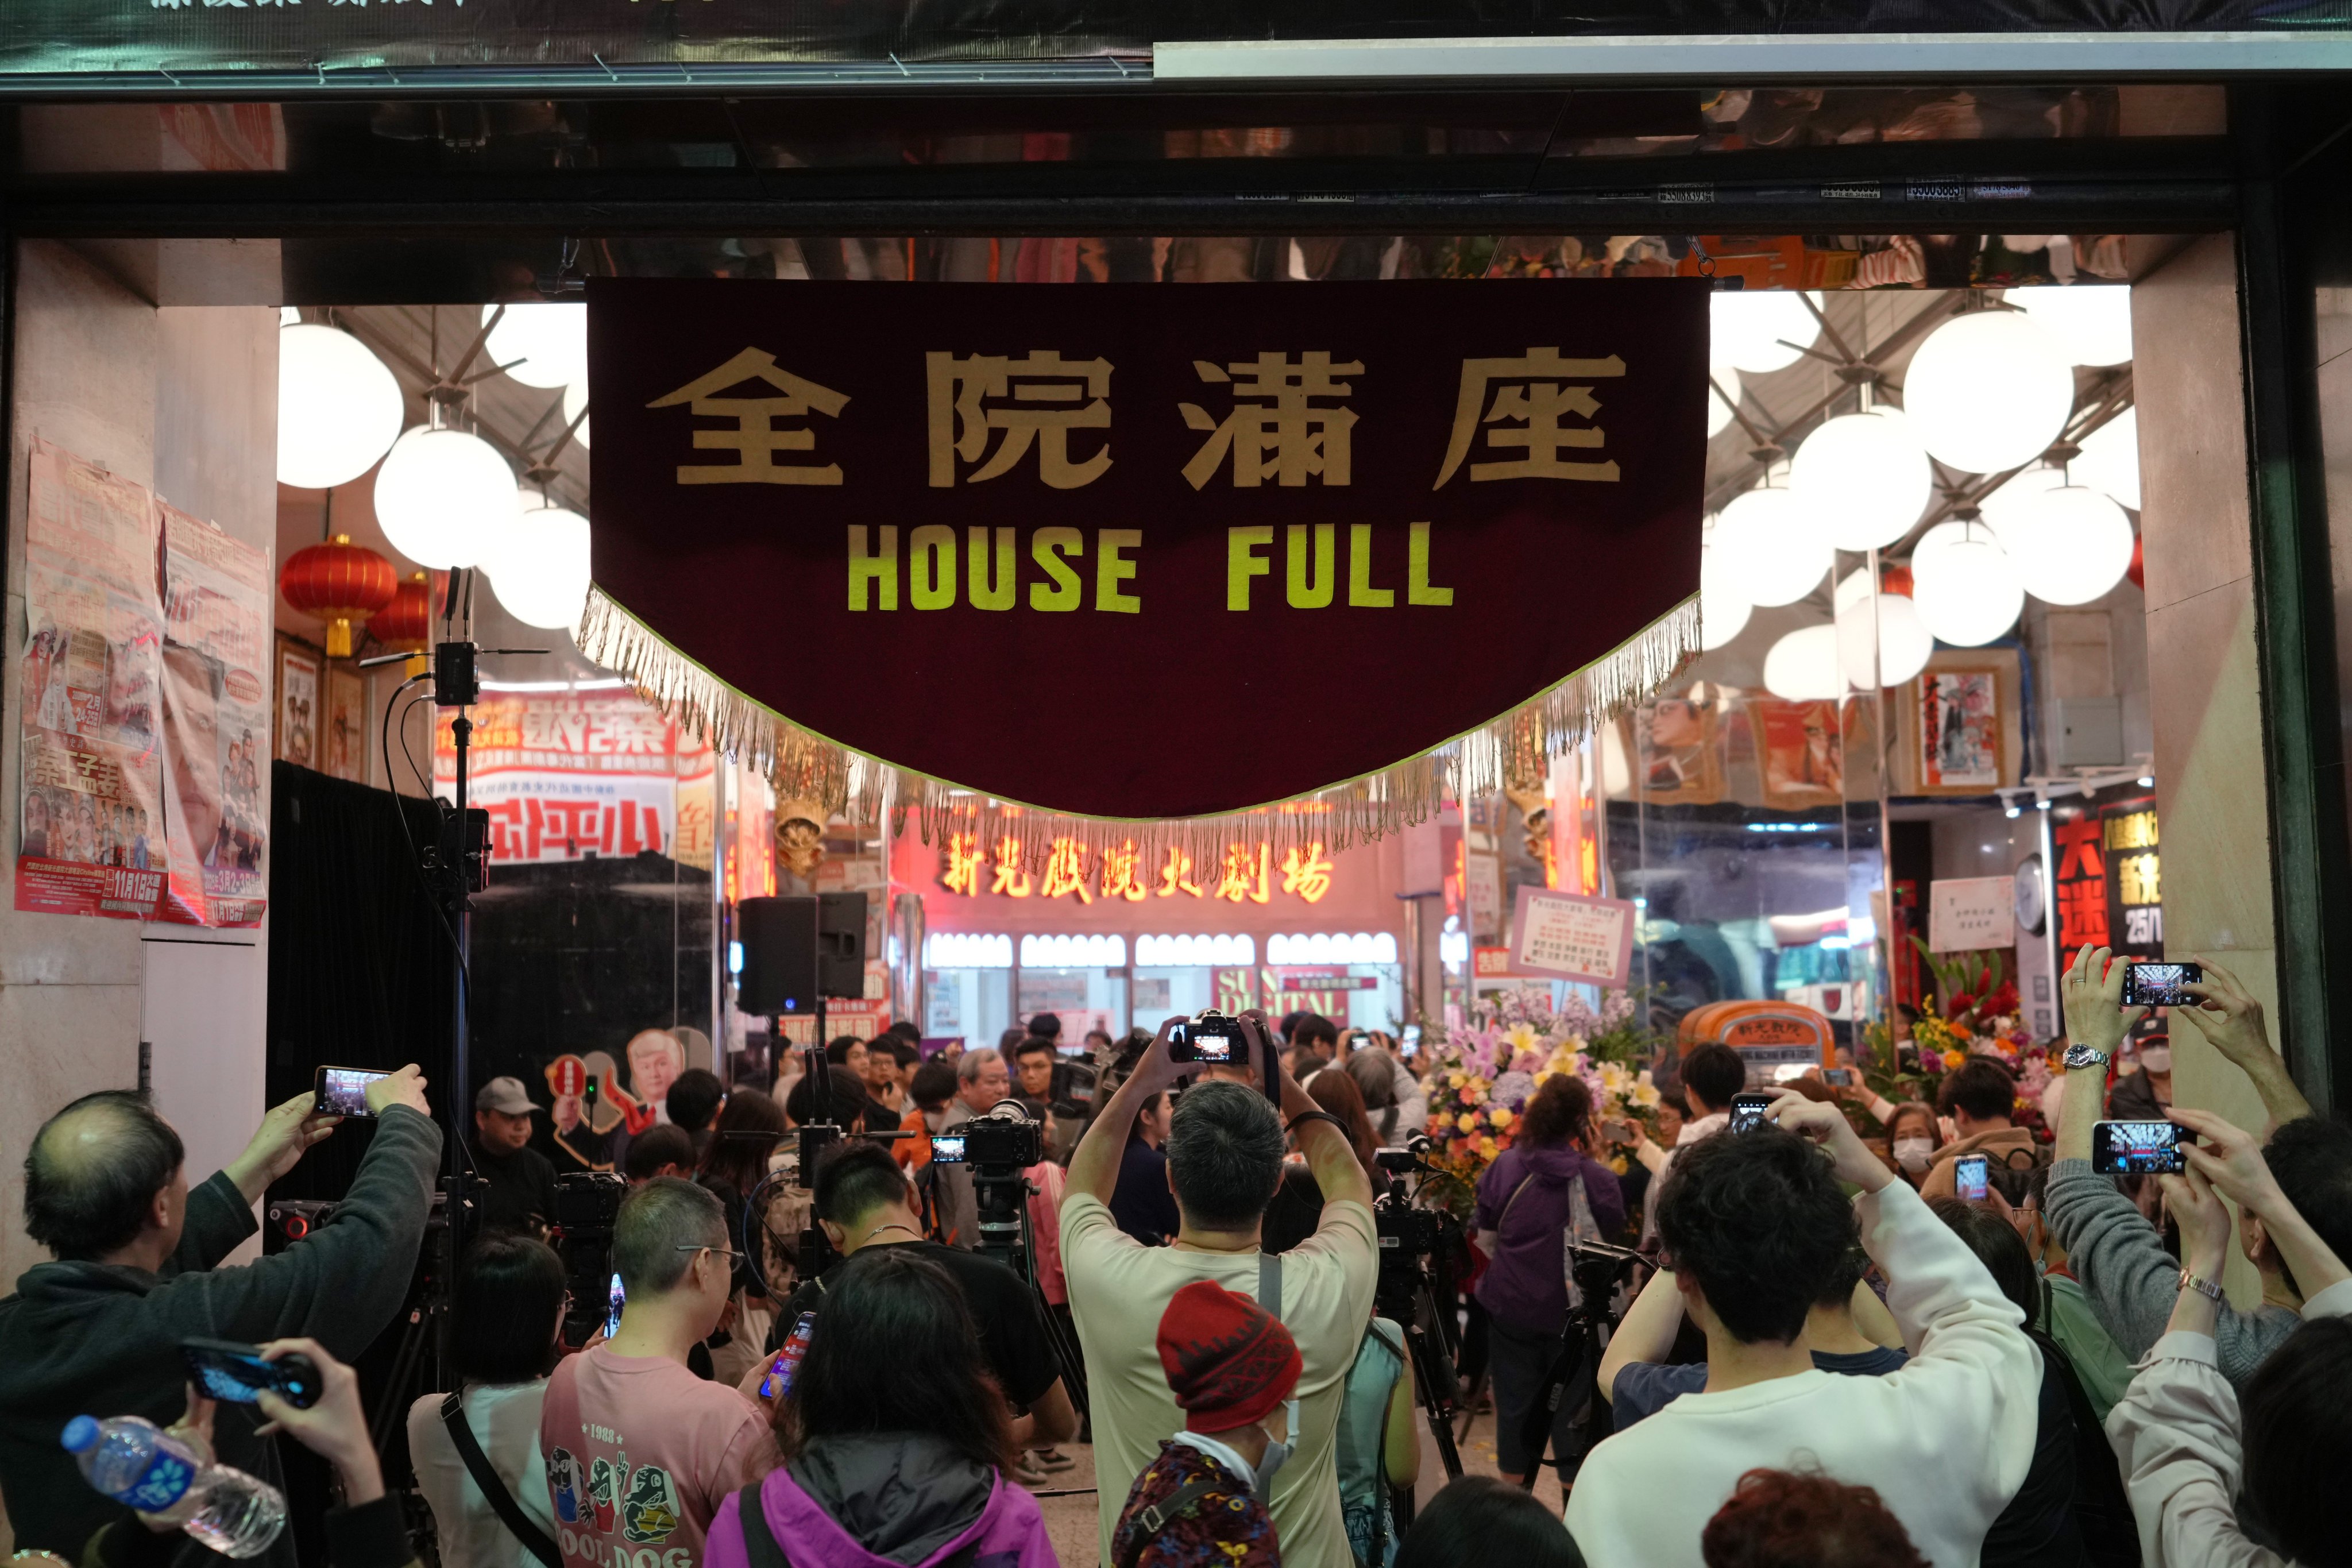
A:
<point x="361" y="969"/>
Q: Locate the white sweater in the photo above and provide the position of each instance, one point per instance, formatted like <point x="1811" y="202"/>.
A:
<point x="1945" y="1441"/>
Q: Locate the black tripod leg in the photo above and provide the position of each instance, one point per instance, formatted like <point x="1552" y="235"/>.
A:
<point x="1433" y="1374"/>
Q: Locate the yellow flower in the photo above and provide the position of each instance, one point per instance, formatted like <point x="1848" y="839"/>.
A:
<point x="1455" y="1079"/>
<point x="1467" y="1122"/>
<point x="1486" y="1146"/>
<point x="1500" y="1116"/>
<point x="1521" y="1037"/>
<point x="1646" y="1094"/>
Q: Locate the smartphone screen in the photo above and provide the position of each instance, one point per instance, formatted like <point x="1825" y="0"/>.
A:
<point x="1838" y="1077"/>
<point x="233" y="1372"/>
<point x="947" y="1148"/>
<point x="1747" y="1111"/>
<point x="617" y="1299"/>
<point x="787" y="1364"/>
<point x="2158" y="985"/>
<point x="343" y="1091"/>
<point x="2137" y="1149"/>
<point x="1969" y="1176"/>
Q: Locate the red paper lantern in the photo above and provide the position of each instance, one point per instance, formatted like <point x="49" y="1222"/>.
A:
<point x="338" y="582"/>
<point x="2138" y="569"/>
<point x="405" y="623"/>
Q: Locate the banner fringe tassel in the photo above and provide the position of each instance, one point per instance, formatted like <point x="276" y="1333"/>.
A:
<point x="1122" y="859"/>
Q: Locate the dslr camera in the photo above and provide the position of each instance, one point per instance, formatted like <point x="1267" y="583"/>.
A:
<point x="1212" y="1038"/>
<point x="1000" y="1137"/>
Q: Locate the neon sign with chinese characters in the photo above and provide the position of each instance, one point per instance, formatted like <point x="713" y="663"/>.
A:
<point x="1248" y="872"/>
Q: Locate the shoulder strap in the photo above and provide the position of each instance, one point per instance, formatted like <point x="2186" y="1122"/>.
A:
<point x="1512" y="1199"/>
<point x="1149" y="1521"/>
<point x="494" y="1491"/>
<point x="1269" y="1284"/>
<point x="761" y="1547"/>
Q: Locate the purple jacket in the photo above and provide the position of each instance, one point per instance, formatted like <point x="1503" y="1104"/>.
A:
<point x="1526" y="1286"/>
<point x="893" y="1500"/>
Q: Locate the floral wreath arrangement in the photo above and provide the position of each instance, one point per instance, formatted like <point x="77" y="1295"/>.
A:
<point x="1481" y="1077"/>
<point x="1977" y="1014"/>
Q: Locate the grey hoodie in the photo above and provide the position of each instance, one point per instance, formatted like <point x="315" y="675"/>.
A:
<point x="95" y="1338"/>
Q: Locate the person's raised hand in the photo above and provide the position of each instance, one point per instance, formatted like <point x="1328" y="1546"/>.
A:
<point x="2232" y="1159"/>
<point x="287" y="1131"/>
<point x="2092" y="990"/>
<point x="2229" y="1018"/>
<point x="334" y="1427"/>
<point x="1157" y="1068"/>
<point x="1818" y="1122"/>
<point x="2204" y="1222"/>
<point x="405" y="1087"/>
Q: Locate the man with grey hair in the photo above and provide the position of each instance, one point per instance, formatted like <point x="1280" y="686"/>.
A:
<point x="638" y="1449"/>
<point x="1226" y="1150"/>
<point x="981" y="1079"/>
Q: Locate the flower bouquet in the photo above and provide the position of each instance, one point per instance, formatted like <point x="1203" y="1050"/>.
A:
<point x="1977" y="1014"/>
<point x="1482" y="1077"/>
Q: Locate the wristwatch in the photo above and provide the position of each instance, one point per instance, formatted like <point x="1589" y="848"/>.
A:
<point x="2079" y="1057"/>
<point x="2205" y="1287"/>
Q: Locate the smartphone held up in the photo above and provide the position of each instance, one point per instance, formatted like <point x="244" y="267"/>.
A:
<point x="343" y="1091"/>
<point x="2137" y="1149"/>
<point x="1748" y="1111"/>
<point x="2161" y="985"/>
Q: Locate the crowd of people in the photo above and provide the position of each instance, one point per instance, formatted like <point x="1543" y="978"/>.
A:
<point x="1828" y="1353"/>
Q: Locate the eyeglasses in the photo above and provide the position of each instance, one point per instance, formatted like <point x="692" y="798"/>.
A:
<point x="721" y="1251"/>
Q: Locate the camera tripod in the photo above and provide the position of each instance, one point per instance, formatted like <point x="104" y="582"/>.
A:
<point x="1411" y="1240"/>
<point x="1596" y="1268"/>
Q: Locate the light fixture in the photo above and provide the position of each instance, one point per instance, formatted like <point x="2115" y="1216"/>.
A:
<point x="550" y="340"/>
<point x="2042" y="803"/>
<point x="2016" y="495"/>
<point x="575" y="398"/>
<point x="1893" y="645"/>
<point x="2015" y="812"/>
<point x="1187" y="952"/>
<point x="1768" y="541"/>
<point x="2091" y="322"/>
<point x="2110" y="459"/>
<point x="1865" y="475"/>
<point x="444" y="496"/>
<point x="1092" y="951"/>
<point x="1802" y="667"/>
<point x="1760" y="330"/>
<point x="2148" y="781"/>
<point x="967" y="950"/>
<point x="539" y="564"/>
<point x="339" y="409"/>
<point x="1988" y="391"/>
<point x="1722" y="609"/>
<point x="1965" y="587"/>
<point x="2070" y="546"/>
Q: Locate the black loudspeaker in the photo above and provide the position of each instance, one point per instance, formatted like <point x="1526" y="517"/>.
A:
<point x="780" y="948"/>
<point x="841" y="944"/>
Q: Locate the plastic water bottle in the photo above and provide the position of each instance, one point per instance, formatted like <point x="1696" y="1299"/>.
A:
<point x="138" y="1464"/>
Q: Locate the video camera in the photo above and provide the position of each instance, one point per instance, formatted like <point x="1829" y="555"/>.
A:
<point x="1001" y="1138"/>
<point x="1597" y="1268"/>
<point x="586" y="1205"/>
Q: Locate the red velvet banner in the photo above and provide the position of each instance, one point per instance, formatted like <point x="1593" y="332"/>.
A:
<point x="1135" y="551"/>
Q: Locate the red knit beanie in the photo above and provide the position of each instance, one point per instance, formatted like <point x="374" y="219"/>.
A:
<point x="1229" y="1361"/>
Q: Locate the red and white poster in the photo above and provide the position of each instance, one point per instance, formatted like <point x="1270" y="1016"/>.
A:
<point x="1573" y="937"/>
<point x="566" y="776"/>
<point x="217" y="649"/>
<point x="90" y="774"/>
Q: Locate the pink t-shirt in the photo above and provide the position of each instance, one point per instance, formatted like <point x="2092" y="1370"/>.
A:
<point x="640" y="1453"/>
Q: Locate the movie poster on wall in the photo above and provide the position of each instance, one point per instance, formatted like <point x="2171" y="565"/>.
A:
<point x="90" y="769"/>
<point x="217" y="649"/>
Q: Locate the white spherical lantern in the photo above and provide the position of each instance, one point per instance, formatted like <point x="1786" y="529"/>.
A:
<point x="2016" y="496"/>
<point x="338" y="408"/>
<point x="539" y="568"/>
<point x="1803" y="665"/>
<point x="2070" y="546"/>
<point x="1891" y="646"/>
<point x="550" y="341"/>
<point x="1963" y="585"/>
<point x="1722" y="609"/>
<point x="575" y="398"/>
<point x="1769" y="542"/>
<point x="2110" y="459"/>
<point x="445" y="498"/>
<point x="1865" y="477"/>
<point x="2092" y="322"/>
<point x="1761" y="331"/>
<point x="1988" y="391"/>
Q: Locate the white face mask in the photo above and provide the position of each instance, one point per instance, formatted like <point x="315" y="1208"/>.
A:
<point x="1914" y="1153"/>
<point x="1272" y="1460"/>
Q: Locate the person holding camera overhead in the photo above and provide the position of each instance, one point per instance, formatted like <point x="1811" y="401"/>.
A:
<point x="1225" y="1151"/>
<point x="137" y="1249"/>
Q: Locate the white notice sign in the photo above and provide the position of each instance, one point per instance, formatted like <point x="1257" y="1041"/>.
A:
<point x="1968" y="912"/>
<point x="1573" y="937"/>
